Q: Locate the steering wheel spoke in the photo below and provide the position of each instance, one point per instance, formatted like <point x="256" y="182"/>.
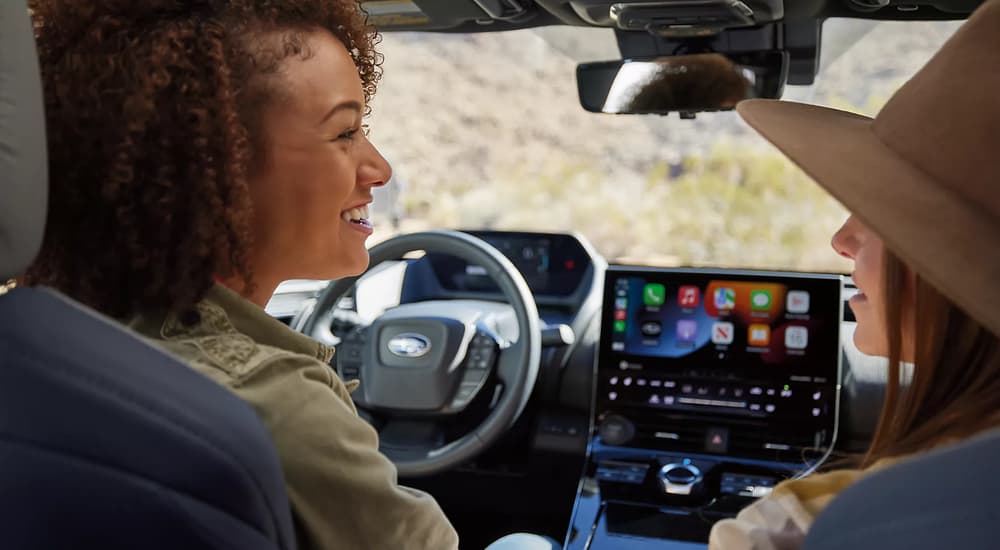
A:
<point x="411" y="437"/>
<point x="349" y="356"/>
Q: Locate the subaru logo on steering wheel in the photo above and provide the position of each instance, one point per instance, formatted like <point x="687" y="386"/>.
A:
<point x="410" y="345"/>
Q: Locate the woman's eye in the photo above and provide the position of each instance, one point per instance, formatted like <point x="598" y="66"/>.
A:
<point x="348" y="135"/>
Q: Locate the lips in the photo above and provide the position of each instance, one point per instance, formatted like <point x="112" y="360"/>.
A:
<point x="357" y="216"/>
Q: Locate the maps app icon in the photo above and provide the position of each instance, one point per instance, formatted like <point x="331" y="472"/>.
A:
<point x="725" y="298"/>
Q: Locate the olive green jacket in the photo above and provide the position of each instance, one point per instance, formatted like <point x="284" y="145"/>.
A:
<point x="344" y="493"/>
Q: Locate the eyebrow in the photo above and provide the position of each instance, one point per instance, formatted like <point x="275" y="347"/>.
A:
<point x="347" y="105"/>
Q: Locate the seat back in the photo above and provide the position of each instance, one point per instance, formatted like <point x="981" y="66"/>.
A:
<point x="105" y="441"/>
<point x="946" y="499"/>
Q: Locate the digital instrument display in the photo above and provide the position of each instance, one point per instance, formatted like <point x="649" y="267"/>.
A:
<point x="552" y="265"/>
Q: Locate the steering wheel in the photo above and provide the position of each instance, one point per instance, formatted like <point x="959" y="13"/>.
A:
<point x="423" y="364"/>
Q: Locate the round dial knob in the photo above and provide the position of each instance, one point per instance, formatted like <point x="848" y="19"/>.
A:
<point x="616" y="430"/>
<point x="679" y="479"/>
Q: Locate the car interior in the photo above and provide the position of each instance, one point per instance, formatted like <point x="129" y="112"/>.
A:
<point x="525" y="380"/>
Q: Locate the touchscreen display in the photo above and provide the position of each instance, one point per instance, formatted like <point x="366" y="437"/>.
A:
<point x="717" y="343"/>
<point x="715" y="320"/>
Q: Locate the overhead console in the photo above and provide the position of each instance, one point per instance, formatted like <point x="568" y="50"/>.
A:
<point x="713" y="386"/>
<point x="678" y="17"/>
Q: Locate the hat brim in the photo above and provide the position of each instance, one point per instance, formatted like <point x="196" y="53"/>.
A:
<point x="947" y="240"/>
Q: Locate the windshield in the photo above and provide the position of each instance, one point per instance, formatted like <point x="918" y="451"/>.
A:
<point x="485" y="132"/>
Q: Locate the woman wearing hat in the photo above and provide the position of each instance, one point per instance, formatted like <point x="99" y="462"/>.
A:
<point x="923" y="183"/>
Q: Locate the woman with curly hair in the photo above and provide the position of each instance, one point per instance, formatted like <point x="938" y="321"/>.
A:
<point x="200" y="153"/>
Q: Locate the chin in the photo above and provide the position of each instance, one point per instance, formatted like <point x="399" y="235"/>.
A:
<point x="354" y="265"/>
<point x="865" y="344"/>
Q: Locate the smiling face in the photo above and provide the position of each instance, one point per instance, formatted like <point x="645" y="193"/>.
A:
<point x="313" y="183"/>
<point x="860" y="244"/>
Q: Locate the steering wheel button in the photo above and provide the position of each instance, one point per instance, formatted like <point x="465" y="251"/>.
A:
<point x="473" y="378"/>
<point x="465" y="395"/>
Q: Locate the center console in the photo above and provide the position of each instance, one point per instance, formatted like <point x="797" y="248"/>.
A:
<point x="712" y="387"/>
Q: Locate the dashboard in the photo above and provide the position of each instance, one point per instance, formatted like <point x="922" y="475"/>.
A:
<point x="678" y="387"/>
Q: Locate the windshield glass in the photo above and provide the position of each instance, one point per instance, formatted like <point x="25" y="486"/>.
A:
<point x="485" y="132"/>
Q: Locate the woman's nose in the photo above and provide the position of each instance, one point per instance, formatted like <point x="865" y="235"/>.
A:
<point x="375" y="171"/>
<point x="845" y="240"/>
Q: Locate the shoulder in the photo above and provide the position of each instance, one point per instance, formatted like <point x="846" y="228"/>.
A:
<point x="205" y="337"/>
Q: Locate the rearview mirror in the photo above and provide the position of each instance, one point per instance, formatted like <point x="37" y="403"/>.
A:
<point x="685" y="83"/>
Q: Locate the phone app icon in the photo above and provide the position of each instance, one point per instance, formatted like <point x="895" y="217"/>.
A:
<point x="722" y="333"/>
<point x="687" y="330"/>
<point x="760" y="300"/>
<point x="725" y="298"/>
<point x="798" y="301"/>
<point x="620" y="315"/>
<point x="796" y="338"/>
<point x="654" y="294"/>
<point x="689" y="296"/>
<point x="619" y="326"/>
<point x="760" y="336"/>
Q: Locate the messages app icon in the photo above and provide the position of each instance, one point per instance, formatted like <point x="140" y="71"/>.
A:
<point x="760" y="300"/>
<point x="654" y="294"/>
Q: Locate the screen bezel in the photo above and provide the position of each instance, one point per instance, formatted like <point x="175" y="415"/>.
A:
<point x="607" y="356"/>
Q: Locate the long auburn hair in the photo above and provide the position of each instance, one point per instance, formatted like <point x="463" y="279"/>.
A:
<point x="954" y="390"/>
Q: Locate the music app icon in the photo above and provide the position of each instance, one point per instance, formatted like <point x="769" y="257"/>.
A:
<point x="689" y="296"/>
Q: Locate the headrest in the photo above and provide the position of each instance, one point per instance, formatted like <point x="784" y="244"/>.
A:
<point x="23" y="164"/>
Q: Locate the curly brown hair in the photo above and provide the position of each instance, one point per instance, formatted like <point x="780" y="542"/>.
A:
<point x="153" y="123"/>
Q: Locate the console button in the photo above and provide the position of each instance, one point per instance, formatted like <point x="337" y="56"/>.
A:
<point x="616" y="430"/>
<point x="717" y="440"/>
<point x="621" y="472"/>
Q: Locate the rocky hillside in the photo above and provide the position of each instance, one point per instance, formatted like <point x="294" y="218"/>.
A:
<point x="486" y="130"/>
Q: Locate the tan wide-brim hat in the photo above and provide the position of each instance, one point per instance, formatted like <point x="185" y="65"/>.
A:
<point x="925" y="173"/>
